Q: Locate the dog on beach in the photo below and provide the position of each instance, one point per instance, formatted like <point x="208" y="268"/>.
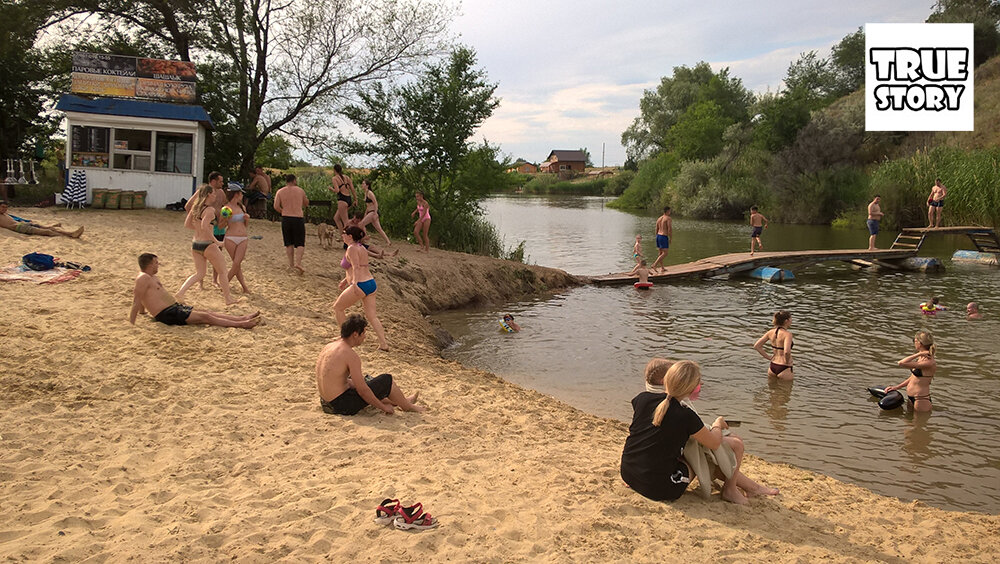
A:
<point x="327" y="235"/>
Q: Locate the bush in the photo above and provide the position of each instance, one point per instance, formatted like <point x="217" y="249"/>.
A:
<point x="550" y="184"/>
<point x="643" y="192"/>
<point x="618" y="183"/>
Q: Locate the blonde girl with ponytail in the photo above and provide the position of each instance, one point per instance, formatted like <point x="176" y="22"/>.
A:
<point x="922" y="367"/>
<point x="652" y="462"/>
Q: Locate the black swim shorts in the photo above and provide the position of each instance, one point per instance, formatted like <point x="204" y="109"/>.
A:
<point x="350" y="402"/>
<point x="293" y="231"/>
<point x="175" y="314"/>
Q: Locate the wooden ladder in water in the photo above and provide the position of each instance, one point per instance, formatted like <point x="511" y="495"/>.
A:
<point x="905" y="241"/>
<point x="986" y="241"/>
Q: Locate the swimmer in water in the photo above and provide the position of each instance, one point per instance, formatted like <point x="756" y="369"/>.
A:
<point x="781" y="346"/>
<point x="642" y="271"/>
<point x="508" y="324"/>
<point x="972" y="311"/>
<point x="922" y="368"/>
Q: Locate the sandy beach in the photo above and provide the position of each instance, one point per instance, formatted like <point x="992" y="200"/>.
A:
<point x="156" y="443"/>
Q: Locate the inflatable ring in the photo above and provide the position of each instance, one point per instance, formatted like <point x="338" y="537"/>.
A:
<point x="892" y="400"/>
<point x="643" y="285"/>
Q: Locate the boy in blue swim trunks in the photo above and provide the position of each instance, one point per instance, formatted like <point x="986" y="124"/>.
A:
<point x="664" y="230"/>
<point x="757" y="224"/>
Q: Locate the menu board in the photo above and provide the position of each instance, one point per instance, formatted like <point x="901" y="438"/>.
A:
<point x="89" y="146"/>
<point x="133" y="77"/>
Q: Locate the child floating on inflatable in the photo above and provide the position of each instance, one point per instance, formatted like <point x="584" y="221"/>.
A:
<point x="642" y="272"/>
<point x="931" y="306"/>
<point x="507" y="324"/>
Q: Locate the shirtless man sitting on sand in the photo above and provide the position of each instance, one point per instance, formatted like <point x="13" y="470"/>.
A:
<point x="343" y="390"/>
<point x="149" y="296"/>
<point x="29" y="228"/>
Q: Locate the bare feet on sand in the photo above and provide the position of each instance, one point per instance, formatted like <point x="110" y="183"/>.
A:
<point x="763" y="490"/>
<point x="299" y="270"/>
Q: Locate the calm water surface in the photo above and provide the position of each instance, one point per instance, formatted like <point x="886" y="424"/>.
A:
<point x="588" y="346"/>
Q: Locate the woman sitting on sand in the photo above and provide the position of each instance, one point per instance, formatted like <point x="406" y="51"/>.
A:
<point x="651" y="460"/>
<point x="236" y="235"/>
<point x="358" y="284"/>
<point x="371" y="210"/>
<point x="781" y="345"/>
<point x="204" y="247"/>
<point x="922" y="368"/>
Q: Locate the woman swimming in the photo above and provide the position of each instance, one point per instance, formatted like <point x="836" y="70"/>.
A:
<point x="781" y="345"/>
<point x="204" y="248"/>
<point x="423" y="223"/>
<point x="358" y="284"/>
<point x="236" y="235"/>
<point x="371" y="211"/>
<point x="922" y="368"/>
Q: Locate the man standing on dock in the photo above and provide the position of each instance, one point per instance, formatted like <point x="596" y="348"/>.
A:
<point x="664" y="230"/>
<point x="935" y="203"/>
<point x="874" y="216"/>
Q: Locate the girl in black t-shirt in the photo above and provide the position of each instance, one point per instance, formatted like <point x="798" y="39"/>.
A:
<point x="651" y="460"/>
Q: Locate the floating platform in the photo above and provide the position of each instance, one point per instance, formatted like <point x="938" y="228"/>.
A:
<point x="976" y="256"/>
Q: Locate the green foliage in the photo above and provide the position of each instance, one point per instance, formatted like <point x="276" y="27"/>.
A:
<point x="848" y="60"/>
<point x="984" y="15"/>
<point x="721" y="188"/>
<point x="276" y="152"/>
<point x="550" y="184"/>
<point x="643" y="192"/>
<point x="815" y="80"/>
<point x="970" y="176"/>
<point x="421" y="133"/>
<point x="662" y="108"/>
<point x="619" y="182"/>
<point x="779" y="119"/>
<point x="698" y="133"/>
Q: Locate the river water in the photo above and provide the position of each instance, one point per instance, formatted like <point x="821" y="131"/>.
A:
<point x="587" y="346"/>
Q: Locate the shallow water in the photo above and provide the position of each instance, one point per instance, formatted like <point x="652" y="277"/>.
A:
<point x="587" y="346"/>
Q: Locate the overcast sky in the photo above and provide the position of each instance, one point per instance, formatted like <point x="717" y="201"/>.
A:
<point x="571" y="73"/>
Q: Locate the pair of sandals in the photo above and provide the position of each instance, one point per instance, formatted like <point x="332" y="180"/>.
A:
<point x="390" y="512"/>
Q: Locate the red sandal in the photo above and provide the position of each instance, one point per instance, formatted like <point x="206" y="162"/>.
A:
<point x="387" y="511"/>
<point x="413" y="517"/>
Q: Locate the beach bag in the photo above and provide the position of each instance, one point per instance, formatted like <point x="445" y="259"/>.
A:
<point x="39" y="261"/>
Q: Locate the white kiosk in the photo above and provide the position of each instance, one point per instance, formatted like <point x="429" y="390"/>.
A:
<point x="124" y="144"/>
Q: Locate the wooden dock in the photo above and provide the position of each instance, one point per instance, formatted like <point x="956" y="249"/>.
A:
<point x="906" y="245"/>
<point x="734" y="263"/>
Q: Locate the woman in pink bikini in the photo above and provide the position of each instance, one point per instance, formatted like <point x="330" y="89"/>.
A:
<point x="358" y="284"/>
<point x="236" y="234"/>
<point x="423" y="223"/>
<point x="781" y="345"/>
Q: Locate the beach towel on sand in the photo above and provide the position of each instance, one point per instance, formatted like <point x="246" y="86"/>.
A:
<point x="21" y="273"/>
<point x="703" y="461"/>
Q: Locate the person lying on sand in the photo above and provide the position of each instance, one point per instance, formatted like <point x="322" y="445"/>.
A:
<point x="29" y="228"/>
<point x="150" y="296"/>
<point x="651" y="460"/>
<point x="343" y="390"/>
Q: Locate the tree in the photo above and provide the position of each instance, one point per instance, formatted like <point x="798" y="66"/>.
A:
<point x="587" y="161"/>
<point x="848" y="61"/>
<point x="660" y="109"/>
<point x="283" y="65"/>
<point x="21" y="77"/>
<point x="276" y="152"/>
<point x="814" y="79"/>
<point x="420" y="132"/>
<point x="984" y="15"/>
<point x="698" y="133"/>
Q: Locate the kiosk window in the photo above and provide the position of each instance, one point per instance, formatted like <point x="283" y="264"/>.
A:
<point x="173" y="153"/>
<point x="133" y="140"/>
<point x="90" y="139"/>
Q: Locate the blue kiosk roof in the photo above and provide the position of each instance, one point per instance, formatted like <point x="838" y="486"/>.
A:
<point x="134" y="108"/>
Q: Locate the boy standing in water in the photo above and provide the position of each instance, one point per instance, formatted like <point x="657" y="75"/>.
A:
<point x="664" y="230"/>
<point x="637" y="249"/>
<point x="757" y="223"/>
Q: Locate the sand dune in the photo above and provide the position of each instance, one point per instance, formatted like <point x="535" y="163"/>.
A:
<point x="155" y="443"/>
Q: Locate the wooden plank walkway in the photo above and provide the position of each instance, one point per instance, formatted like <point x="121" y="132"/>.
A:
<point x="743" y="262"/>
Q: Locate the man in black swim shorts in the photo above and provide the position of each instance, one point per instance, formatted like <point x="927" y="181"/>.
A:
<point x="342" y="388"/>
<point x="149" y="295"/>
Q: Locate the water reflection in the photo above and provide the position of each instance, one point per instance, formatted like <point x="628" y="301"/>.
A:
<point x="588" y="347"/>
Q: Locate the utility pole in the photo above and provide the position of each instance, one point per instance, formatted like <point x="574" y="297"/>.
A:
<point x="602" y="154"/>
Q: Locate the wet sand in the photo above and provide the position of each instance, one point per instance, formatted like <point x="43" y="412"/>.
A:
<point x="159" y="443"/>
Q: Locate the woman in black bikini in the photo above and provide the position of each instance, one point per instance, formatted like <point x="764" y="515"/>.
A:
<point x="343" y="186"/>
<point x="922" y="368"/>
<point x="371" y="211"/>
<point x="204" y="247"/>
<point x="781" y="343"/>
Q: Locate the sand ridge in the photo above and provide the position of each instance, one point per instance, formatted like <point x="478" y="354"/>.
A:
<point x="160" y="443"/>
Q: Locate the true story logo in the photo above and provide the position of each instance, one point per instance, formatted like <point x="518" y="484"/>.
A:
<point x="918" y="77"/>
